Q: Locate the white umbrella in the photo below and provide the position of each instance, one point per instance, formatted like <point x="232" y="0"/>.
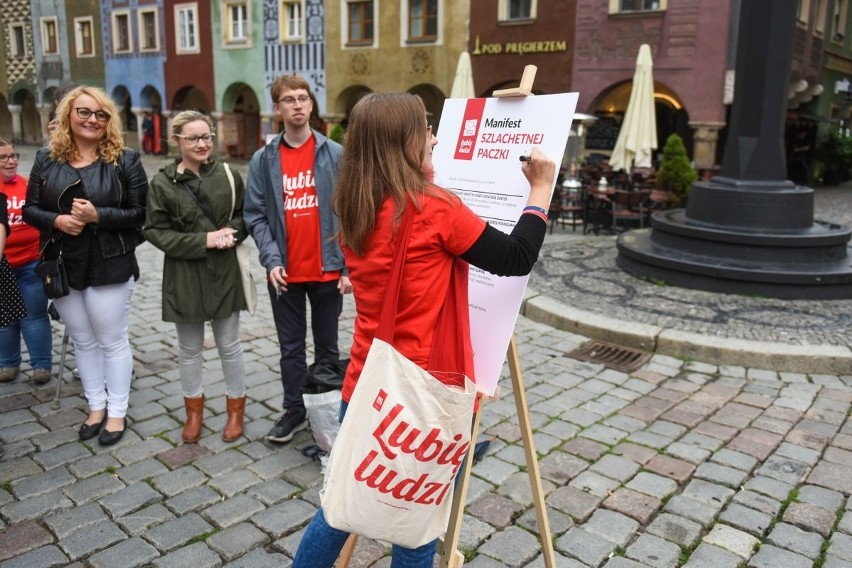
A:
<point x="463" y="80"/>
<point x="637" y="138"/>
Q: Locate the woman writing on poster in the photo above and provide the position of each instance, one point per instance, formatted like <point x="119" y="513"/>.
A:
<point x="387" y="170"/>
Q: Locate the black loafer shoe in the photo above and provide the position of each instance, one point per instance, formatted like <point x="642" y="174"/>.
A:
<point x="89" y="431"/>
<point x="108" y="438"/>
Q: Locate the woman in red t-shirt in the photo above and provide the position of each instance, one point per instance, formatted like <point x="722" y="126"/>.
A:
<point x="386" y="168"/>
<point x="22" y="252"/>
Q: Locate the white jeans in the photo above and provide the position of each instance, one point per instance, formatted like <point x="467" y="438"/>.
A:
<point x="226" y="333"/>
<point x="96" y="321"/>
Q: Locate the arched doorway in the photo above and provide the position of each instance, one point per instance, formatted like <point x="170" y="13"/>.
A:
<point x="345" y="101"/>
<point x="122" y="99"/>
<point x="239" y="128"/>
<point x="609" y="107"/>
<point x="150" y="98"/>
<point x="5" y="117"/>
<point x="433" y="99"/>
<point x="190" y="98"/>
<point x="30" y="121"/>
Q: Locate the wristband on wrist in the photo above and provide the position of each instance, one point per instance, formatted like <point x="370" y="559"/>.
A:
<point x="534" y="208"/>
<point x="538" y="214"/>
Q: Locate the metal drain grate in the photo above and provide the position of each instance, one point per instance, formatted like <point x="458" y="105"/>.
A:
<point x="611" y="355"/>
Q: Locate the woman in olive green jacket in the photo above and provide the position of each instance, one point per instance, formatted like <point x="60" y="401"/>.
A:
<point x="195" y="216"/>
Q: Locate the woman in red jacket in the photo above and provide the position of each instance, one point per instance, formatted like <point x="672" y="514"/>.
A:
<point x="386" y="169"/>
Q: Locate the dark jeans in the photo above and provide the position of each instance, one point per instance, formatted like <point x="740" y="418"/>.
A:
<point x="289" y="311"/>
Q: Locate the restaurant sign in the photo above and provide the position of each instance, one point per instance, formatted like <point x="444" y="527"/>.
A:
<point x="519" y="47"/>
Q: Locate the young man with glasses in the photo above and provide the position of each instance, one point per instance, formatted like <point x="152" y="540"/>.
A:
<point x="288" y="212"/>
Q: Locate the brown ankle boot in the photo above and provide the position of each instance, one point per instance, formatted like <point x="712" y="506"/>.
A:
<point x="234" y="427"/>
<point x="194" y="418"/>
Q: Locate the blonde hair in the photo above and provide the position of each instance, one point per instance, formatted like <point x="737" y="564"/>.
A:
<point x="110" y="146"/>
<point x="382" y="157"/>
<point x="184" y="117"/>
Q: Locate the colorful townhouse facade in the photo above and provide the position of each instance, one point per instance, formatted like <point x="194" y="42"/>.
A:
<point x="20" y="117"/>
<point x="221" y="56"/>
<point x="411" y="45"/>
<point x="243" y="111"/>
<point x="506" y="36"/>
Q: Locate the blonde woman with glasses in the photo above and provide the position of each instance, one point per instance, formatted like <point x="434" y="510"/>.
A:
<point x="86" y="195"/>
<point x="195" y="216"/>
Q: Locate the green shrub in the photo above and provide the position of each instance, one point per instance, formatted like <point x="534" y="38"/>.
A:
<point x="337" y="132"/>
<point x="676" y="175"/>
<point x="835" y="155"/>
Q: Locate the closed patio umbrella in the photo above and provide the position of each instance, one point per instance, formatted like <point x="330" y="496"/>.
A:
<point x="637" y="138"/>
<point x="463" y="80"/>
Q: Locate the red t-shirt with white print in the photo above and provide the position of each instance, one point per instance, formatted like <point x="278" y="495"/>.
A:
<point x="301" y="215"/>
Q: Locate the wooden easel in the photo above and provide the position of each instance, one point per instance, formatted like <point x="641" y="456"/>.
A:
<point x="448" y="547"/>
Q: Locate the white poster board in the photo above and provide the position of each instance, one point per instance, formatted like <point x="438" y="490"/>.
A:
<point x="477" y="157"/>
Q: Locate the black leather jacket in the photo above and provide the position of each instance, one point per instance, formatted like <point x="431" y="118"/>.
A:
<point x="119" y="197"/>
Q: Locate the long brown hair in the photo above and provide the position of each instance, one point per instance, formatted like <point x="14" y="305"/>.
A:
<point x="382" y="157"/>
<point x="111" y="144"/>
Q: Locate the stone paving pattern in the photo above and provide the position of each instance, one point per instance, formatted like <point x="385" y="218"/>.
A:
<point x="581" y="272"/>
<point x="680" y="463"/>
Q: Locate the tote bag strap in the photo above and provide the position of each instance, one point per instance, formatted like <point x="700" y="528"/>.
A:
<point x="451" y="355"/>
<point x="233" y="192"/>
<point x="387" y="317"/>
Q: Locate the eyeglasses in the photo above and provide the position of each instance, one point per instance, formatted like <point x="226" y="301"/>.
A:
<point x="85" y="113"/>
<point x="6" y="157"/>
<point x="195" y="138"/>
<point x="290" y="101"/>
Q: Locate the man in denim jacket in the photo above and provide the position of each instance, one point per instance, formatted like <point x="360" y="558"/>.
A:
<point x="288" y="211"/>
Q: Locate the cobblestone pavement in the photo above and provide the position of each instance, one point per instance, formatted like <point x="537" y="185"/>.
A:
<point x="680" y="463"/>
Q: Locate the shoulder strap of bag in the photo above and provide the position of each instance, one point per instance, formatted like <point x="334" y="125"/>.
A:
<point x="451" y="351"/>
<point x="233" y="192"/>
<point x="200" y="206"/>
<point x="387" y="318"/>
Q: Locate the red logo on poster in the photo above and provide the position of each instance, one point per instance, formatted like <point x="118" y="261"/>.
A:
<point x="469" y="129"/>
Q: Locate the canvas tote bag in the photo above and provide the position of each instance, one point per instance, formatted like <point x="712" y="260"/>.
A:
<point x="392" y="467"/>
<point x="243" y="255"/>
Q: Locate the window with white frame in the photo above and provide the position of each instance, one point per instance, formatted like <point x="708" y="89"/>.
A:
<point x="292" y="20"/>
<point x="838" y="20"/>
<point x="121" y="40"/>
<point x="186" y="28"/>
<point x="49" y="36"/>
<point x="237" y="22"/>
<point x="513" y="10"/>
<point x="17" y="35"/>
<point x="360" y="22"/>
<point x="632" y="6"/>
<point x="84" y="39"/>
<point x="422" y="20"/>
<point x="149" y="30"/>
<point x="821" y="16"/>
<point x="803" y="11"/>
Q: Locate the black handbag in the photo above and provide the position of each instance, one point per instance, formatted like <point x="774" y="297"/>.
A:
<point x="53" y="277"/>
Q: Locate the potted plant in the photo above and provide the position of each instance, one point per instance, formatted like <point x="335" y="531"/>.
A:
<point x="676" y="174"/>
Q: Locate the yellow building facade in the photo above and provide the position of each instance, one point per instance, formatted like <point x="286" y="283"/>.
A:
<point x="392" y="45"/>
